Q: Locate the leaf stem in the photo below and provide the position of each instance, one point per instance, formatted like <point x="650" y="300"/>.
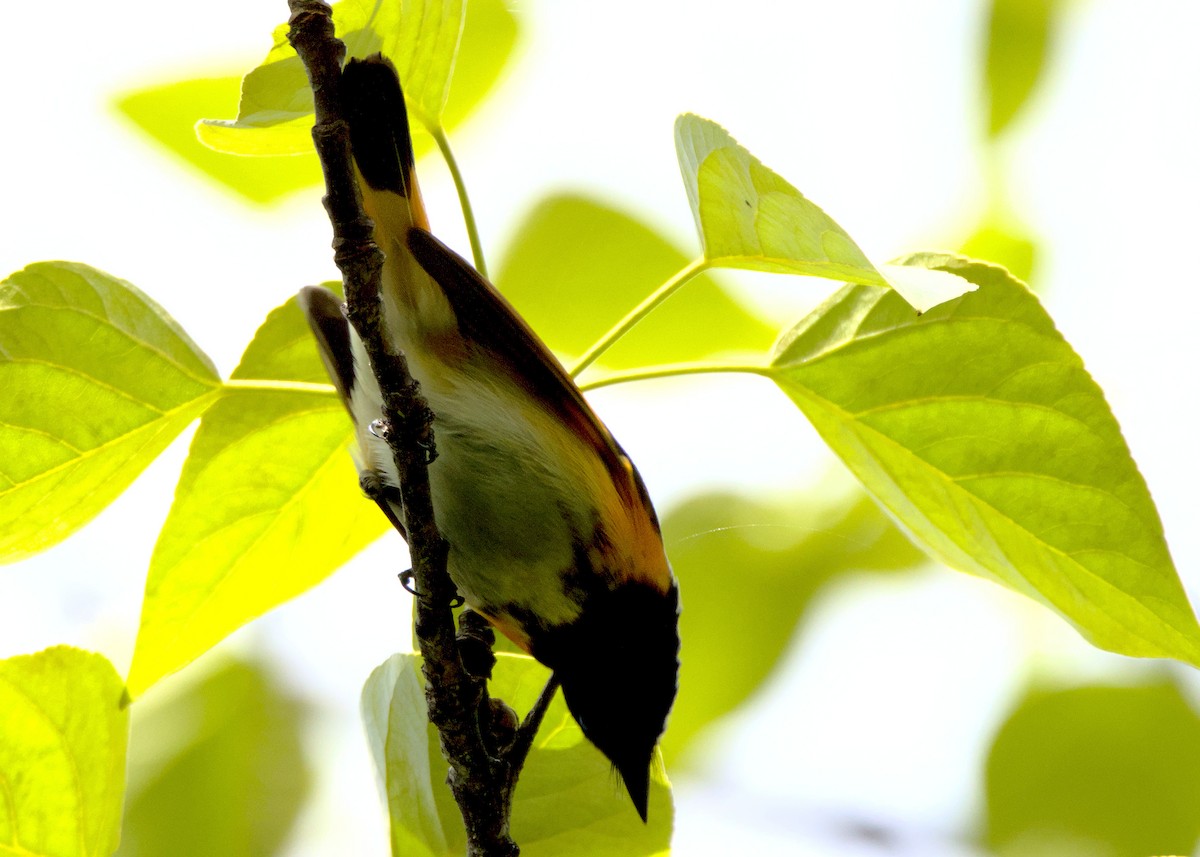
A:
<point x="674" y="371"/>
<point x="443" y="144"/>
<point x="282" y="386"/>
<point x="696" y="266"/>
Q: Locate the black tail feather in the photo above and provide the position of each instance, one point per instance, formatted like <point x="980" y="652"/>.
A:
<point x="379" y="132"/>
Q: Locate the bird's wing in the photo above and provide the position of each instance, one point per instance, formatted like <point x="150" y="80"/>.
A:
<point x="489" y="322"/>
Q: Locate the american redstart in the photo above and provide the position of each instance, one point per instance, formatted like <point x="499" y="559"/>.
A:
<point x="552" y="534"/>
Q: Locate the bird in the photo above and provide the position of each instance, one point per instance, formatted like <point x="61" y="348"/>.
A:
<point x="552" y="534"/>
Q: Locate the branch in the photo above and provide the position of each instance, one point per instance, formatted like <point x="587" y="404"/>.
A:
<point x="457" y="699"/>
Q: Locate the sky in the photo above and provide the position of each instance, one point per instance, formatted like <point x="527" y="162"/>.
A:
<point x="871" y="109"/>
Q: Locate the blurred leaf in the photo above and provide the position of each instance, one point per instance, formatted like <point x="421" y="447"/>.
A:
<point x="268" y="505"/>
<point x="576" y="267"/>
<point x="748" y="568"/>
<point x="420" y="36"/>
<point x="566" y="802"/>
<point x="63" y="732"/>
<point x="1004" y="246"/>
<point x="168" y="113"/>
<point x="1107" y="771"/>
<point x="749" y="217"/>
<point x="395" y="716"/>
<point x="977" y="426"/>
<point x="1018" y="42"/>
<point x="97" y="381"/>
<point x="235" y="785"/>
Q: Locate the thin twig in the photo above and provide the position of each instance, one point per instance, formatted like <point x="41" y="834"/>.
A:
<point x="443" y="143"/>
<point x="670" y="287"/>
<point x="675" y="370"/>
<point x="528" y="731"/>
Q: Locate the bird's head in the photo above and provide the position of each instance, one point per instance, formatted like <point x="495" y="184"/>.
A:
<point x="618" y="663"/>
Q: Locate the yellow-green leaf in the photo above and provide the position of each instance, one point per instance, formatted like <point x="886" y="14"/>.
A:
<point x="1096" y="771"/>
<point x="167" y="113"/>
<point x="489" y="35"/>
<point x="978" y="428"/>
<point x="63" y="733"/>
<point x="423" y="45"/>
<point x="566" y="801"/>
<point x="97" y="380"/>
<point x="749" y="217"/>
<point x="395" y="716"/>
<point x="268" y="504"/>
<point x="1019" y="36"/>
<point x="219" y="769"/>
<point x="420" y="36"/>
<point x="1005" y="244"/>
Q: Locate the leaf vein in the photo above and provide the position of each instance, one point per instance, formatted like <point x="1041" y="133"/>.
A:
<point x="229" y="570"/>
<point x="40" y="433"/>
<point x="96" y="450"/>
<point x="65" y="746"/>
<point x="1187" y="643"/>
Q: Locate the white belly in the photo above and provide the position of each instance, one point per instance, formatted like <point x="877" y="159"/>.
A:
<point x="508" y="494"/>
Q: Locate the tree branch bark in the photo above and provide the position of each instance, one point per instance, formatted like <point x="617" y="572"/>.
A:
<point x="466" y="719"/>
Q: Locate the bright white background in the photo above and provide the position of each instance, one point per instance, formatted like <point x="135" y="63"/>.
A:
<point x="891" y="692"/>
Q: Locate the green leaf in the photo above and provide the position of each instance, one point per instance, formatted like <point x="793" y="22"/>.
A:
<point x="577" y="266"/>
<point x="168" y="113"/>
<point x="978" y="428"/>
<point x="267" y="506"/>
<point x="423" y="44"/>
<point x="1096" y="771"/>
<point x="421" y="37"/>
<point x="97" y="380"/>
<point x="749" y="217"/>
<point x="785" y="550"/>
<point x="1005" y="245"/>
<point x="489" y="35"/>
<point x="566" y="801"/>
<point x="1018" y="42"/>
<point x="63" y="732"/>
<point x="395" y="715"/>
<point x="218" y="769"/>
